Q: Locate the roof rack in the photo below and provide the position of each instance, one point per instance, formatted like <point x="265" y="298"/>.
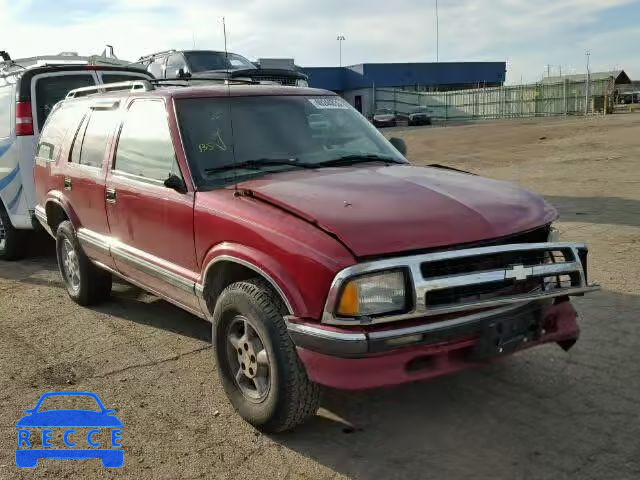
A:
<point x="153" y="55"/>
<point x="62" y="59"/>
<point x="134" y="85"/>
<point x="186" y="80"/>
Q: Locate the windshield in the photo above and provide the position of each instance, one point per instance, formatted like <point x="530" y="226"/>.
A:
<point x="419" y="110"/>
<point x="269" y="134"/>
<point x="383" y="111"/>
<point x="205" y="61"/>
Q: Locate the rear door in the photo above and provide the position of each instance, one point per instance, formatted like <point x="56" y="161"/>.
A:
<point x="84" y="178"/>
<point x="151" y="225"/>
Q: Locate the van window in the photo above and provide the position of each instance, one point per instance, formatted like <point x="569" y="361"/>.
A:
<point x="59" y="124"/>
<point x="120" y="77"/>
<point x="5" y="110"/>
<point x="144" y="147"/>
<point x="50" y="90"/>
<point x="96" y="137"/>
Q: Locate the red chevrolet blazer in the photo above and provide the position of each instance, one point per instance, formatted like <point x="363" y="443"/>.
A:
<point x="319" y="254"/>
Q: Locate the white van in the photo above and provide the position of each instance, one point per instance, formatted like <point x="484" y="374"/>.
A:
<point x="29" y="89"/>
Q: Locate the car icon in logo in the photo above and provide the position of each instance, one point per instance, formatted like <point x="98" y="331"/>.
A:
<point x="94" y="429"/>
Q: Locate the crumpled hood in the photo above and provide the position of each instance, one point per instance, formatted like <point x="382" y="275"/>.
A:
<point x="378" y="210"/>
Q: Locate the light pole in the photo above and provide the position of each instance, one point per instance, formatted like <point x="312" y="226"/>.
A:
<point x="437" y="34"/>
<point x="588" y="84"/>
<point x="340" y="39"/>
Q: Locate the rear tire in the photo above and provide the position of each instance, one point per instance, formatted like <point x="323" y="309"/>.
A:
<point x="251" y="310"/>
<point x="13" y="242"/>
<point x="86" y="283"/>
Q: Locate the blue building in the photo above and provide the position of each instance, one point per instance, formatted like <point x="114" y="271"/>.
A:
<point x="358" y="83"/>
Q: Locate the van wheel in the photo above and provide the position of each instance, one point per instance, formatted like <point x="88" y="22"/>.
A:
<point x="257" y="362"/>
<point x="86" y="283"/>
<point x="13" y="242"/>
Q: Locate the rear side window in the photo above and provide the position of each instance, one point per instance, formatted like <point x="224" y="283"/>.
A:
<point x="92" y="138"/>
<point x="62" y="122"/>
<point x="144" y="147"/>
<point x="50" y="90"/>
<point x="96" y="137"/>
<point x="5" y="110"/>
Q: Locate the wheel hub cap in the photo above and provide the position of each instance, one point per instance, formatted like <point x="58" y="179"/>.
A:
<point x="248" y="359"/>
<point x="70" y="265"/>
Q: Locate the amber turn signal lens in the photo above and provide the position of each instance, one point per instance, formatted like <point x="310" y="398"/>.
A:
<point x="349" y="301"/>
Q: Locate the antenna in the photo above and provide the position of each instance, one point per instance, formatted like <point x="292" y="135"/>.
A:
<point x="233" y="141"/>
<point x="224" y="32"/>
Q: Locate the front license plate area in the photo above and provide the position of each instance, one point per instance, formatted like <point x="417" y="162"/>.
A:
<point x="505" y="335"/>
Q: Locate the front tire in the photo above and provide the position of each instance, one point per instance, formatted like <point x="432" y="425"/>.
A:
<point x="257" y="362"/>
<point x="13" y="242"/>
<point x="86" y="283"/>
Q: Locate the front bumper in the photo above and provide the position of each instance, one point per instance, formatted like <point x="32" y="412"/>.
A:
<point x="375" y="357"/>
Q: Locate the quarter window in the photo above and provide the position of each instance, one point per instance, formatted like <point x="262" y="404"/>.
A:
<point x="145" y="148"/>
<point x="61" y="121"/>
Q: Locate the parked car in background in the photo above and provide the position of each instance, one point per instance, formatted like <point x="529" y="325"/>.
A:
<point x="319" y="254"/>
<point x="213" y="64"/>
<point x="29" y="89"/>
<point x="419" y="116"/>
<point x="384" y="117"/>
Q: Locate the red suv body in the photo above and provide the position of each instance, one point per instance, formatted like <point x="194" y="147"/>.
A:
<point x="320" y="255"/>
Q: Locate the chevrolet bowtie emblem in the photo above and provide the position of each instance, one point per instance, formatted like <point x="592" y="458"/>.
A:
<point x="518" y="272"/>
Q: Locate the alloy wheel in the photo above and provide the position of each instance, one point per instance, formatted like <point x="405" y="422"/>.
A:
<point x="248" y="359"/>
<point x="70" y="265"/>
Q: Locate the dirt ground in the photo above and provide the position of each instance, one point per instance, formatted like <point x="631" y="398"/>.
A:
<point x="542" y="414"/>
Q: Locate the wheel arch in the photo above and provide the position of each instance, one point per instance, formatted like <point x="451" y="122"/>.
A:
<point x="57" y="211"/>
<point x="228" y="264"/>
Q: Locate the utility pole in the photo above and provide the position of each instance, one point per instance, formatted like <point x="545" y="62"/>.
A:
<point x="437" y="34"/>
<point x="340" y="39"/>
<point x="588" y="84"/>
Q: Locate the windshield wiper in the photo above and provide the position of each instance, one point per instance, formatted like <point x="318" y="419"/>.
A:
<point x="352" y="159"/>
<point x="257" y="163"/>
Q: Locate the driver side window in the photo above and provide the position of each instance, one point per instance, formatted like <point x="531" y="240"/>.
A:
<point x="175" y="63"/>
<point x="145" y="149"/>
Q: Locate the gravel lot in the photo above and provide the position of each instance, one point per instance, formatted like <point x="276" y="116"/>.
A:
<point x="542" y="414"/>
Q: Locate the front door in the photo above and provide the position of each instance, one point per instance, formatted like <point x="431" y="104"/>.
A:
<point x="151" y="225"/>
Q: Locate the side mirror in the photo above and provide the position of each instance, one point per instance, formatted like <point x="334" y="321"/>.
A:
<point x="399" y="145"/>
<point x="174" y="182"/>
<point x="180" y="73"/>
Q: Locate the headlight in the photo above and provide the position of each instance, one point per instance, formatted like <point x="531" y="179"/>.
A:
<point x="301" y="82"/>
<point x="373" y="294"/>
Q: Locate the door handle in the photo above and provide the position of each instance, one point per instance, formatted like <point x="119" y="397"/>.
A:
<point x="110" y="195"/>
<point x="67" y="183"/>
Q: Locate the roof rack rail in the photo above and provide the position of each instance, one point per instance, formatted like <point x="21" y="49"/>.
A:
<point x="186" y="80"/>
<point x="134" y="85"/>
<point x="152" y="55"/>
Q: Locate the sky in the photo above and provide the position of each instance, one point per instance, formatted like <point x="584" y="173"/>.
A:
<point x="534" y="37"/>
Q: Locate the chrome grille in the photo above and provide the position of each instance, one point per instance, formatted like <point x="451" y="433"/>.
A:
<point x="281" y="79"/>
<point x="464" y="280"/>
